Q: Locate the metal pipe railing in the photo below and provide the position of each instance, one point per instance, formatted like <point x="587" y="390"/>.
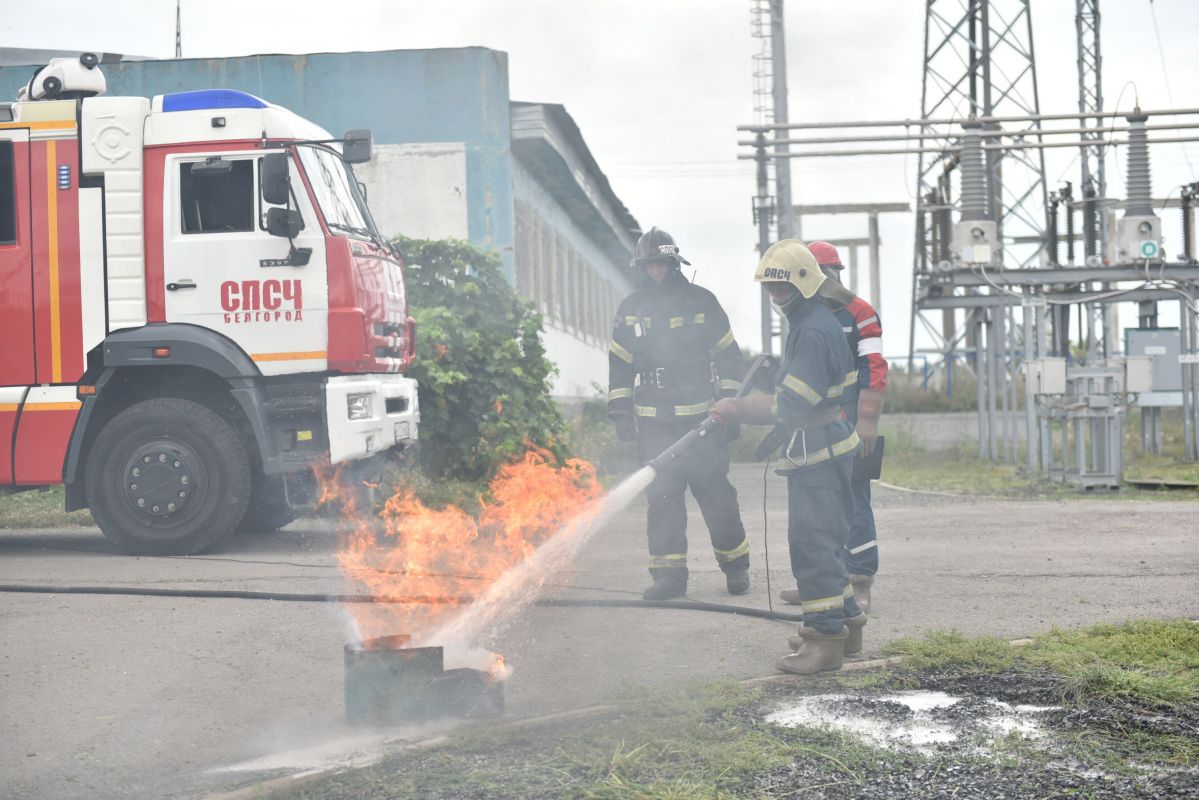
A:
<point x="800" y="126"/>
<point x="995" y="133"/>
<point x="955" y="149"/>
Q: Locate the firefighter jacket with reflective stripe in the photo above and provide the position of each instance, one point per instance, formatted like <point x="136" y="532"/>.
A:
<point x="817" y="384"/>
<point x="863" y="331"/>
<point x="672" y="354"/>
<point x="866" y="342"/>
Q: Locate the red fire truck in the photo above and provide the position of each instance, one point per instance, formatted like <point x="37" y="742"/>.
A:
<point x="196" y="306"/>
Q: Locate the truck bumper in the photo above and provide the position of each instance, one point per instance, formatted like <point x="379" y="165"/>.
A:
<point x="368" y="414"/>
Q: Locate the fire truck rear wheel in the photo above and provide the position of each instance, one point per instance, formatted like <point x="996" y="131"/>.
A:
<point x="167" y="476"/>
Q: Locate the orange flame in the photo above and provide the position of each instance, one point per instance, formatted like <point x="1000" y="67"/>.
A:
<point x="449" y="557"/>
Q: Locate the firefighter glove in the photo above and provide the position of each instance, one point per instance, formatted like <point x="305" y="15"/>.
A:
<point x="626" y="428"/>
<point x="870" y="408"/>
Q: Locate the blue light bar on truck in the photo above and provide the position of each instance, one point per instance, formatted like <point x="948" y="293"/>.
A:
<point x="207" y="99"/>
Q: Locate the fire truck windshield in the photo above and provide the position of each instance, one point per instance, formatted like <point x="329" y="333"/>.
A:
<point x="341" y="204"/>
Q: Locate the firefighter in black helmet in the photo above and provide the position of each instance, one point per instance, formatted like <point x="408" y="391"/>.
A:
<point x="673" y="355"/>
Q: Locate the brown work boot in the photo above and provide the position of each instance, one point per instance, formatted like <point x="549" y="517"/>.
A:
<point x="861" y="590"/>
<point x="790" y="596"/>
<point x="853" y="639"/>
<point x="817" y="652"/>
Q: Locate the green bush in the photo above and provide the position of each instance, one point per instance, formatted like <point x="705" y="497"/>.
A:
<point x="591" y="436"/>
<point x="906" y="395"/>
<point x="483" y="374"/>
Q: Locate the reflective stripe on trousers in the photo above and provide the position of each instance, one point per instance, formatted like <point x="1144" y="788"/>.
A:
<point x="820" y="506"/>
<point x="705" y="471"/>
<point x="861" y="557"/>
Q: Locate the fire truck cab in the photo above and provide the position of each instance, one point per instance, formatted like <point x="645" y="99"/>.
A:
<point x="197" y="309"/>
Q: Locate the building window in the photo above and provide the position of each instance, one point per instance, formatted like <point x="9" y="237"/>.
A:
<point x="589" y="301"/>
<point x="524" y="251"/>
<point x="563" y="286"/>
<point x="566" y="313"/>
<point x="8" y="195"/>
<point x="548" y="278"/>
<point x="570" y="260"/>
<point x="217" y="202"/>
<point x="581" y="270"/>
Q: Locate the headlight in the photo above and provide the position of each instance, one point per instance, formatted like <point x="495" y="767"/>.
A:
<point x="359" y="406"/>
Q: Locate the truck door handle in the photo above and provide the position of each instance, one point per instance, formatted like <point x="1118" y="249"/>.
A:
<point x="174" y="287"/>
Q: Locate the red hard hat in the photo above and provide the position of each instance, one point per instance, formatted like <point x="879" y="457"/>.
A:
<point x="826" y="255"/>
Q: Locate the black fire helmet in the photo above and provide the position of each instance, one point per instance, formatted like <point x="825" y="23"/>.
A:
<point x="656" y="245"/>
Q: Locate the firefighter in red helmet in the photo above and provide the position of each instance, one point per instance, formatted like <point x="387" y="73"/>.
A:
<point x="862" y="328"/>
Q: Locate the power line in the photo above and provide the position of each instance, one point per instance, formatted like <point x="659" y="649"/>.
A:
<point x="1161" y="55"/>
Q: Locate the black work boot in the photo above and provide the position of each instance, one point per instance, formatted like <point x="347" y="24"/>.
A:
<point x="665" y="587"/>
<point x="737" y="580"/>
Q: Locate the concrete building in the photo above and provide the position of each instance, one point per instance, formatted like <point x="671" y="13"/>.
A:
<point x="454" y="158"/>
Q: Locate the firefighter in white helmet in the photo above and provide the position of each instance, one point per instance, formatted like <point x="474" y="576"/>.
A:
<point x="817" y="381"/>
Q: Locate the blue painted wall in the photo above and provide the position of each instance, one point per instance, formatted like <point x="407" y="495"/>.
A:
<point x="403" y="96"/>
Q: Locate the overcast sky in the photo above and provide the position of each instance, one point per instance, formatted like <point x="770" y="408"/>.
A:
<point x="659" y="86"/>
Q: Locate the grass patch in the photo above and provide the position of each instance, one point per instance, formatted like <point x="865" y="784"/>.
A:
<point x="905" y="394"/>
<point x="37" y="509"/>
<point x="959" y="470"/>
<point x="1153" y="663"/>
<point x="947" y="472"/>
<point x="945" y="649"/>
<point x="1144" y="467"/>
<point x="1129" y="693"/>
<point x="1149" y="663"/>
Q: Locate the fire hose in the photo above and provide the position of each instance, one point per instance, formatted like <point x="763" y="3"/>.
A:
<point x="294" y="597"/>
<point x="760" y="374"/>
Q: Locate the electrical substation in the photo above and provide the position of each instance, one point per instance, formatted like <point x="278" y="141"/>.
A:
<point x="1014" y="280"/>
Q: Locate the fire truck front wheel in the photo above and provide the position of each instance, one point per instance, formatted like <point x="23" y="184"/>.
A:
<point x="268" y="510"/>
<point x="167" y="476"/>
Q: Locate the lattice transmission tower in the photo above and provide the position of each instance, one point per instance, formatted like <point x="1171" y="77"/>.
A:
<point x="773" y="214"/>
<point x="1099" y="319"/>
<point x="978" y="62"/>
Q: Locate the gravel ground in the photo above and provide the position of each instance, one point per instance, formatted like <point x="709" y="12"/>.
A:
<point x="1051" y="764"/>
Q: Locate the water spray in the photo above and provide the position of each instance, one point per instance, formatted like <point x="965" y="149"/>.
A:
<point x="759" y="375"/>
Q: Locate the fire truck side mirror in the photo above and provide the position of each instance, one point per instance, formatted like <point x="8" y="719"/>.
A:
<point x="283" y="222"/>
<point x="275" y="177"/>
<point x="356" y="146"/>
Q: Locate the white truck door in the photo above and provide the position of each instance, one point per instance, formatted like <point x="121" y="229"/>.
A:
<point x="223" y="271"/>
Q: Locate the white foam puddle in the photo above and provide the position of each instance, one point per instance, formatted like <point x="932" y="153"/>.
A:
<point x="923" y="723"/>
<point x="922" y="701"/>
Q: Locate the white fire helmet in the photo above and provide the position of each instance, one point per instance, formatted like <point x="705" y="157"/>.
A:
<point x="790" y="261"/>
